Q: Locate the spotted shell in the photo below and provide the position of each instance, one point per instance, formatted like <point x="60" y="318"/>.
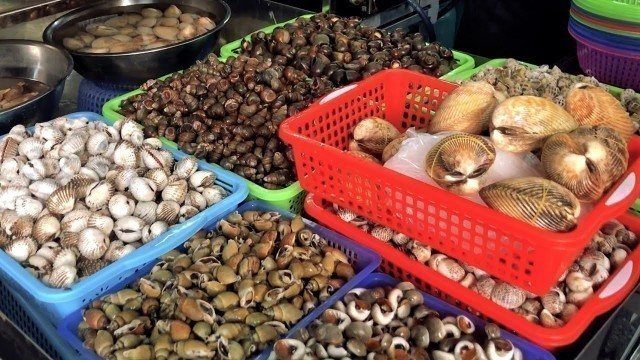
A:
<point x="374" y="134"/>
<point x="507" y="295"/>
<point x="175" y="191"/>
<point x="146" y="210"/>
<point x="467" y="109"/>
<point x="522" y="123"/>
<point x="21" y="248"/>
<point x="459" y="162"/>
<point x="593" y="105"/>
<point x="168" y="212"/>
<point x="587" y="161"/>
<point x="63" y="276"/>
<point x="46" y="228"/>
<point x="539" y="202"/>
<point x="186" y="166"/>
<point x="92" y="243"/>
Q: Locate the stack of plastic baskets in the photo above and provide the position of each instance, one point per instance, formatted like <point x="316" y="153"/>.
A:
<point x="607" y="33"/>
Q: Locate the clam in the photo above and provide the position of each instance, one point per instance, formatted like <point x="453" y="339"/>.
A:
<point x="175" y="191"/>
<point x="151" y="13"/>
<point x="62" y="200"/>
<point x="467" y="109"/>
<point x="154" y="230"/>
<point x="593" y="105"/>
<point x="146" y="210"/>
<point x="121" y="206"/>
<point x="28" y="206"/>
<point x="587" y="161"/>
<point x="374" y="134"/>
<point x="126" y="155"/>
<point x="539" y="202"/>
<point x="101" y="222"/>
<point x="129" y="228"/>
<point x="166" y="32"/>
<point x="186" y="167"/>
<point x="31" y="148"/>
<point x="92" y="243"/>
<point x="43" y="189"/>
<point x="101" y="30"/>
<point x="73" y="43"/>
<point x="168" y="211"/>
<point x="75" y="221"/>
<point x="159" y="177"/>
<point x="99" y="194"/>
<point x="143" y="189"/>
<point x="63" y="276"/>
<point x="21" y="248"/>
<point x="46" y="228"/>
<point x="172" y="12"/>
<point x="458" y="162"/>
<point x="523" y="123"/>
<point x="201" y="179"/>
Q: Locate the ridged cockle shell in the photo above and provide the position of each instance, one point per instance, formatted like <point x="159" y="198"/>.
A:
<point x="522" y="123"/>
<point x="175" y="191"/>
<point x="70" y="164"/>
<point x="63" y="276"/>
<point x="8" y="148"/>
<point x="153" y="159"/>
<point x="126" y="155"/>
<point x="98" y="143"/>
<point x="143" y="189"/>
<point x="196" y="200"/>
<point x="118" y="249"/>
<point x="593" y="105"/>
<point x="459" y="162"/>
<point x="159" y="177"/>
<point x="467" y="109"/>
<point x="186" y="166"/>
<point x="73" y="144"/>
<point x="99" y="164"/>
<point x="124" y="177"/>
<point x="62" y="200"/>
<point x="32" y="148"/>
<point x="214" y="194"/>
<point x="9" y="194"/>
<point x="187" y="212"/>
<point x="146" y="210"/>
<point x="374" y="134"/>
<point x="168" y="212"/>
<point x="539" y="202"/>
<point x="21" y="248"/>
<point x="43" y="189"/>
<point x="154" y="230"/>
<point x="92" y="243"/>
<point x="28" y="206"/>
<point x="11" y="167"/>
<point x="101" y="222"/>
<point x="121" y="206"/>
<point x="201" y="179"/>
<point x="129" y="228"/>
<point x="587" y="161"/>
<point x="75" y="221"/>
<point x="46" y="228"/>
<point x="99" y="194"/>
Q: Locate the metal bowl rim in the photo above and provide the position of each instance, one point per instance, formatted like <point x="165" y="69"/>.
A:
<point x="53" y="88"/>
<point x="47" y="35"/>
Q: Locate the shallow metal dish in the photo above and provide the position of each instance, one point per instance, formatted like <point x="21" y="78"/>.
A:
<point x="134" y="68"/>
<point x="38" y="61"/>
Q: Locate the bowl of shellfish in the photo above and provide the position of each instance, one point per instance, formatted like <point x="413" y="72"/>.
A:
<point x="115" y="41"/>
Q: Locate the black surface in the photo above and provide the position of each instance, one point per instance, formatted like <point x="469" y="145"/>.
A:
<point x="14" y="345"/>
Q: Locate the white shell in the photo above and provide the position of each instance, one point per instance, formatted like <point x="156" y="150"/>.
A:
<point x="124" y="178"/>
<point x="159" y="177"/>
<point x="21" y="249"/>
<point x="187" y="212"/>
<point x="73" y="144"/>
<point x="75" y="221"/>
<point x="99" y="194"/>
<point x="70" y="164"/>
<point x="196" y="200"/>
<point x="66" y="257"/>
<point x="63" y="276"/>
<point x="126" y="155"/>
<point x="32" y="148"/>
<point x="214" y="194"/>
<point x="98" y="143"/>
<point x="168" y="212"/>
<point x="46" y="228"/>
<point x="34" y="170"/>
<point x="89" y="173"/>
<point x="146" y="210"/>
<point x="101" y="222"/>
<point x="201" y="179"/>
<point x="175" y="191"/>
<point x="117" y="249"/>
<point x="42" y="189"/>
<point x="121" y="206"/>
<point x="99" y="164"/>
<point x="129" y="228"/>
<point x="8" y="195"/>
<point x="153" y="159"/>
<point x="154" y="230"/>
<point x="28" y="206"/>
<point x="10" y="167"/>
<point x="153" y="143"/>
<point x="143" y="189"/>
<point x="186" y="166"/>
<point x="93" y="243"/>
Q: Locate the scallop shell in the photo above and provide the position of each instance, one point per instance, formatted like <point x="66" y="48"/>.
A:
<point x="99" y="194"/>
<point x="196" y="200"/>
<point x="63" y="276"/>
<point x="123" y="179"/>
<point x="43" y="189"/>
<point x="186" y="166"/>
<point x="168" y="212"/>
<point x="32" y="148"/>
<point x="21" y="249"/>
<point x="159" y="177"/>
<point x="121" y="206"/>
<point x="92" y="243"/>
<point x="374" y="134"/>
<point x="70" y="164"/>
<point x="522" y="123"/>
<point x="28" y="206"/>
<point x="74" y="144"/>
<point x="8" y="148"/>
<point x="143" y="189"/>
<point x="186" y="213"/>
<point x="201" y="179"/>
<point x="587" y="161"/>
<point x="467" y="109"/>
<point x="214" y="194"/>
<point x="126" y="155"/>
<point x="129" y="228"/>
<point x="62" y="200"/>
<point x="175" y="191"/>
<point x="507" y="295"/>
<point x="101" y="222"/>
<point x="45" y="229"/>
<point x="539" y="202"/>
<point x="75" y="221"/>
<point x="593" y="105"/>
<point x="146" y="210"/>
<point x="459" y="162"/>
<point x="98" y="143"/>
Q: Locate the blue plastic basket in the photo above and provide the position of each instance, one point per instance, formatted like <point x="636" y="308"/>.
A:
<point x="363" y="260"/>
<point x="529" y="351"/>
<point x="58" y="303"/>
<point x="92" y="96"/>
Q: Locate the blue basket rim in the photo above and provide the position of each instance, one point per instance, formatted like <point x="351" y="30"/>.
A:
<point x="615" y="41"/>
<point x="233" y="183"/>
<point x="368" y="260"/>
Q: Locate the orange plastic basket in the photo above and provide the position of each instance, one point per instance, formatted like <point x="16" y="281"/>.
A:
<point x="507" y="248"/>
<point x="401" y="266"/>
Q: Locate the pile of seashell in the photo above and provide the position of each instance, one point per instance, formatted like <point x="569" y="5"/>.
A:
<point x="78" y="195"/>
<point x="605" y="253"/>
<point x="393" y="323"/>
<point x="149" y="29"/>
<point x="234" y="292"/>
<point x="514" y="79"/>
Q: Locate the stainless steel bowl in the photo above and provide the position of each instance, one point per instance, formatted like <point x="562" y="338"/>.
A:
<point x="37" y="61"/>
<point x="134" y="68"/>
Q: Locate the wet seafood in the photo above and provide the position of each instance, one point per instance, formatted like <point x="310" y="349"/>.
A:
<point x="393" y="323"/>
<point x="139" y="31"/>
<point x="539" y="202"/>
<point x="79" y="198"/>
<point x="458" y="162"/>
<point x="236" y="290"/>
<point x="21" y="91"/>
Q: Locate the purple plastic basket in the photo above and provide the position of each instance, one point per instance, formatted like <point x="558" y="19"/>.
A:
<point x="609" y="65"/>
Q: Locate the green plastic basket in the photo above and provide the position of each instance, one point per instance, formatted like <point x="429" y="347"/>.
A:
<point x="622" y="10"/>
<point x="631" y="34"/>
<point x="290" y="198"/>
<point x="465" y="62"/>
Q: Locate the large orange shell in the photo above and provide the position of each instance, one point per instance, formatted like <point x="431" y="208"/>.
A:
<point x="467" y="109"/>
<point x="593" y="105"/>
<point x="523" y="123"/>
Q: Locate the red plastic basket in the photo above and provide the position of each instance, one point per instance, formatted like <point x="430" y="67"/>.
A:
<point x="507" y="248"/>
<point x="401" y="266"/>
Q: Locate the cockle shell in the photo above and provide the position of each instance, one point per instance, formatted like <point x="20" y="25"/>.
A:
<point x="21" y="248"/>
<point x="152" y="159"/>
<point x="201" y="179"/>
<point x="65" y="257"/>
<point x="154" y="230"/>
<point x="75" y="221"/>
<point x="69" y="240"/>
<point x="99" y="194"/>
<point x="28" y="206"/>
<point x="62" y="200"/>
<point x="32" y="148"/>
<point x="374" y="134"/>
<point x="168" y="212"/>
<point x="39" y="169"/>
<point x="98" y="143"/>
<point x="63" y="276"/>
<point x="467" y="109"/>
<point x="9" y="194"/>
<point x="459" y="162"/>
<point x="593" y="105"/>
<point x="46" y="228"/>
<point x="214" y="194"/>
<point x="196" y="200"/>
<point x="21" y="226"/>
<point x="143" y="189"/>
<point x="8" y="148"/>
<point x="92" y="243"/>
<point x="121" y="206"/>
<point x="186" y="166"/>
<point x="186" y="213"/>
<point x="587" y="161"/>
<point x="101" y="222"/>
<point x="88" y="267"/>
<point x="146" y="210"/>
<point x="10" y="167"/>
<point x="129" y="228"/>
<point x="73" y="144"/>
<point x="539" y="202"/>
<point x="118" y="249"/>
<point x="392" y="148"/>
<point x="124" y="177"/>
<point x="43" y="189"/>
<point x="507" y="295"/>
<point x="70" y="164"/>
<point x="522" y="123"/>
<point x="159" y="177"/>
<point x="126" y="155"/>
<point x="99" y="164"/>
<point x="175" y="191"/>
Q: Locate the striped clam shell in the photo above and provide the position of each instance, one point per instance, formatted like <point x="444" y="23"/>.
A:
<point x="185" y="167"/>
<point x="46" y="228"/>
<point x="168" y="211"/>
<point x="522" y="123"/>
<point x="374" y="134"/>
<point x="459" y="162"/>
<point x="467" y="109"/>
<point x="99" y="194"/>
<point x="539" y="202"/>
<point x="126" y="155"/>
<point x="92" y="243"/>
<point x="32" y="148"/>
<point x="175" y="191"/>
<point x="8" y="148"/>
<point x="593" y="105"/>
<point x="159" y="177"/>
<point x="62" y="276"/>
<point x="586" y="161"/>
<point x="28" y="206"/>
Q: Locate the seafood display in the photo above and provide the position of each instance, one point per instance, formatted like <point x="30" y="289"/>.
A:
<point x="149" y="29"/>
<point x="393" y="323"/>
<point x="605" y="253"/>
<point x="18" y="91"/>
<point x="77" y="195"/>
<point x="236" y="290"/>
